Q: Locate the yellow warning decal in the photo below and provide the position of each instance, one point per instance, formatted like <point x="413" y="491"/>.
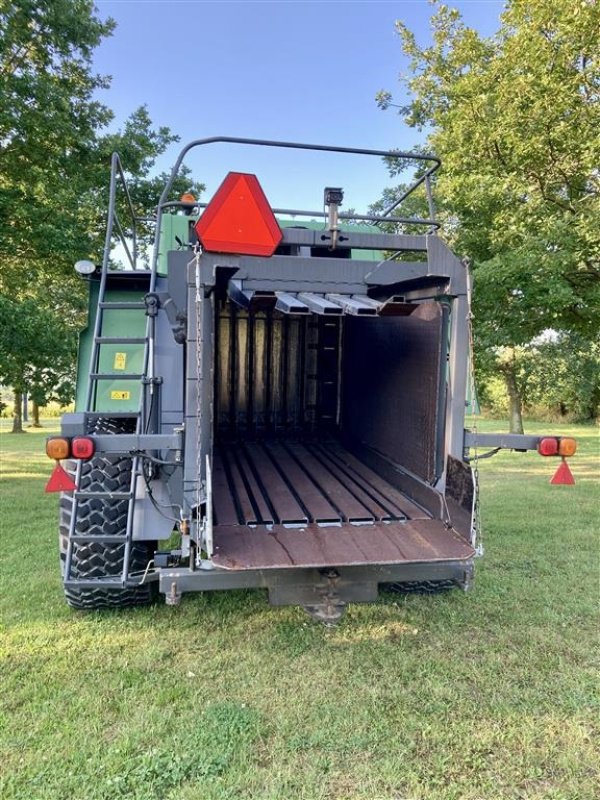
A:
<point x="120" y="395"/>
<point x="120" y="361"/>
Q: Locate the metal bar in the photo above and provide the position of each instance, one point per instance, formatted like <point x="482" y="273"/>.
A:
<point x="72" y="525"/>
<point x="242" y="298"/>
<point x="131" y="442"/>
<point x="296" y="212"/>
<point x="353" y="466"/>
<point x="91" y="390"/>
<point x="86" y="539"/>
<point x="252" y="479"/>
<point x="396" y="307"/>
<point x="397" y="155"/>
<point x="107" y="495"/>
<point x="353" y="305"/>
<point x="131" y="209"/>
<point x="241" y="490"/>
<point x="119" y="376"/>
<point x="289" y="304"/>
<point x="281" y="498"/>
<point x="224" y="506"/>
<point x="319" y="305"/>
<point x="285" y="336"/>
<point x="368" y="302"/>
<point x="318" y="507"/>
<point x="250" y="369"/>
<point x="120" y="340"/>
<point x="506" y="441"/>
<point x="233" y="352"/>
<point x="223" y="579"/>
<point x="119" y="306"/>
<point x="350" y="508"/>
<point x="115" y="583"/>
<point x="456" y="393"/>
<point x="123" y="239"/>
<point x="135" y="462"/>
<point x="379" y="506"/>
<point x="270" y="423"/>
<point x="351" y="240"/>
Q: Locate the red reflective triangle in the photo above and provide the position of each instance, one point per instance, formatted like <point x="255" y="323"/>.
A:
<point x="239" y="219"/>
<point x="60" y="481"/>
<point x="563" y="475"/>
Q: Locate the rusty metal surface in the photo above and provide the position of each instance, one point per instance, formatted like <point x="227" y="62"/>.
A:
<point x="310" y="503"/>
<point x="301" y="482"/>
<point x="240" y="548"/>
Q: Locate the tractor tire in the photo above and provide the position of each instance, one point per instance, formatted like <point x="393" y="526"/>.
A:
<point x="97" y="517"/>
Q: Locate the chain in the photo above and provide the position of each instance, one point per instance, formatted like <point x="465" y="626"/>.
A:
<point x="198" y="302"/>
<point x="477" y="534"/>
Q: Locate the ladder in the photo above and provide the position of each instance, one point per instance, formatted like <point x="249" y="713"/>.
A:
<point x="138" y="418"/>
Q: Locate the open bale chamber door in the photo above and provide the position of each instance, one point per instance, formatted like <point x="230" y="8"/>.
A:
<point x="325" y="403"/>
<point x="286" y="390"/>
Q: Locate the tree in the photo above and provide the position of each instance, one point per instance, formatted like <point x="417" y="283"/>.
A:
<point x="515" y="120"/>
<point x="54" y="167"/>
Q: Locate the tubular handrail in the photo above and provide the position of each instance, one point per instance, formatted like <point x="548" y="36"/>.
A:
<point x="384" y="217"/>
<point x="117" y="177"/>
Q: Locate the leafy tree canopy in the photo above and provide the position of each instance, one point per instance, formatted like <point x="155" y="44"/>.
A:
<point x="54" y="167"/>
<point x="515" y="119"/>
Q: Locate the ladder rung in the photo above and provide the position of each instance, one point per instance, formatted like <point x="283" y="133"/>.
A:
<point x="111" y="414"/>
<point x="122" y="305"/>
<point x="112" y="583"/>
<point x="108" y="495"/>
<point x="120" y="340"/>
<point x="81" y="539"/>
<point x="72" y="583"/>
<point x="117" y="376"/>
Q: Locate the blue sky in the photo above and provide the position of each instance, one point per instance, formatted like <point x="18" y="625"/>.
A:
<point x="300" y="71"/>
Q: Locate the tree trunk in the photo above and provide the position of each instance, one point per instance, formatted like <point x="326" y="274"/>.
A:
<point x="18" y="418"/>
<point x="514" y="399"/>
<point x="35" y="413"/>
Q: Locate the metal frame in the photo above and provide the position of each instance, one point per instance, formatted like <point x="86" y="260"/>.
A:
<point x="425" y="179"/>
<point x="342" y="286"/>
<point x="304" y="585"/>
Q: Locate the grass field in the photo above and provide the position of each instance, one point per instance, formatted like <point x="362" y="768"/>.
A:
<point x="492" y="694"/>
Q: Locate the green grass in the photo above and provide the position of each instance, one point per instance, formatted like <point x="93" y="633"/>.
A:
<point x="491" y="694"/>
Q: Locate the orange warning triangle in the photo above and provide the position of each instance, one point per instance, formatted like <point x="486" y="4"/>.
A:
<point x="239" y="219"/>
<point x="60" y="481"/>
<point x="563" y="475"/>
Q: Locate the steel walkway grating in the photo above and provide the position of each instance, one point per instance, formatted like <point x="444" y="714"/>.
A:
<point x="300" y="483"/>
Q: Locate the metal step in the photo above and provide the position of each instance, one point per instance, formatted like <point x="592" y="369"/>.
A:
<point x="111" y="583"/>
<point x="122" y="305"/>
<point x="109" y="495"/>
<point x="117" y="376"/>
<point x="120" y="339"/>
<point x="83" y="539"/>
<point x="111" y="414"/>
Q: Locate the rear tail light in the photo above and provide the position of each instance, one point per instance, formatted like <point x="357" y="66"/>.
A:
<point x="58" y="447"/>
<point x="548" y="447"/>
<point x="82" y="447"/>
<point x="567" y="447"/>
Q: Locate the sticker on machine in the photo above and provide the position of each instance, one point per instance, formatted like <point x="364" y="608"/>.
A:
<point x="120" y="395"/>
<point x="120" y="361"/>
